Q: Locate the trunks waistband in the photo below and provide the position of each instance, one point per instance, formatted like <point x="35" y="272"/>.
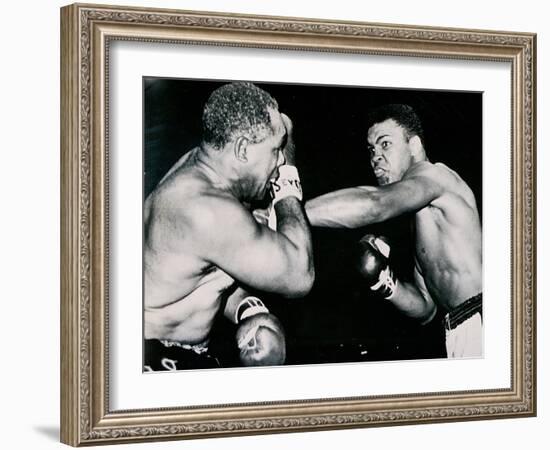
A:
<point x="199" y="349"/>
<point x="464" y="311"/>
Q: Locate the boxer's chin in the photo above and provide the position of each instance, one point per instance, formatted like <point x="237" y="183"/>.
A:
<point x="383" y="180"/>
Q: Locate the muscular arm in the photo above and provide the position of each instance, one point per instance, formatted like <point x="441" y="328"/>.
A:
<point x="364" y="205"/>
<point x="373" y="265"/>
<point x="279" y="262"/>
<point x="409" y="299"/>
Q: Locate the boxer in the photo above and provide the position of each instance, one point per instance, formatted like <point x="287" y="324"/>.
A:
<point x="202" y="240"/>
<point x="448" y="270"/>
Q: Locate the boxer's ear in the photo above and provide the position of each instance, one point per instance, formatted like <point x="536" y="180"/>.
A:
<point x="415" y="144"/>
<point x="241" y="149"/>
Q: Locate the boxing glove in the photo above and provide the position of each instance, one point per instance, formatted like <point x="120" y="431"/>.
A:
<point x="373" y="266"/>
<point x="260" y="336"/>
<point x="287" y="184"/>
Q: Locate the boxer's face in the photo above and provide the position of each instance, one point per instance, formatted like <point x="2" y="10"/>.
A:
<point x="389" y="150"/>
<point x="266" y="157"/>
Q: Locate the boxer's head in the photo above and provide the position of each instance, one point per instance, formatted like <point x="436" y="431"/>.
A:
<point x="243" y="121"/>
<point x="395" y="141"/>
<point x="237" y="109"/>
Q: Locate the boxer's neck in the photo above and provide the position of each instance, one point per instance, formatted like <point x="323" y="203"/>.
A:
<point x="216" y="167"/>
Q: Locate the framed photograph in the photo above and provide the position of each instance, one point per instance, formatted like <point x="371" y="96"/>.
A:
<point x="275" y="224"/>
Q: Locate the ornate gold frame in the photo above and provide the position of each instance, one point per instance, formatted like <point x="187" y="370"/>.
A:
<point x="86" y="31"/>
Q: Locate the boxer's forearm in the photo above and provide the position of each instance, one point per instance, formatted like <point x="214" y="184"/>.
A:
<point x="408" y="299"/>
<point x="292" y="223"/>
<point x="346" y="208"/>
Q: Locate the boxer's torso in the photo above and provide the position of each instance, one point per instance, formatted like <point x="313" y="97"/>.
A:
<point x="448" y="244"/>
<point x="182" y="292"/>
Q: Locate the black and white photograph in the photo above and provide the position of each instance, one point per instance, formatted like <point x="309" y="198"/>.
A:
<point x="292" y="224"/>
<point x="285" y="221"/>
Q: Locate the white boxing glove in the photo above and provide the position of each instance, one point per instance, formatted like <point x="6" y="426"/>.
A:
<point x="260" y="337"/>
<point x="287" y="184"/>
<point x="248" y="307"/>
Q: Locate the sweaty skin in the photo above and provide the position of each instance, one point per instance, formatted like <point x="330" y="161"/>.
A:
<point x="447" y="229"/>
<point x="200" y="238"/>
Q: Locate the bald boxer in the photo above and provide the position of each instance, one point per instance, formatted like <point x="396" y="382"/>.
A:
<point x="203" y="245"/>
<point x="448" y="271"/>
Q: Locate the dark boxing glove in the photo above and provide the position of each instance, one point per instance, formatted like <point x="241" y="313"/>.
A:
<point x="373" y="266"/>
<point x="260" y="336"/>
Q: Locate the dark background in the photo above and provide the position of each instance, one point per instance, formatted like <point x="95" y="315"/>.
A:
<point x="338" y="321"/>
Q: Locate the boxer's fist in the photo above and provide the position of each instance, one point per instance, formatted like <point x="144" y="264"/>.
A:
<point x="288" y="123"/>
<point x="372" y="264"/>
<point x="287" y="184"/>
<point x="289" y="151"/>
<point x="261" y="341"/>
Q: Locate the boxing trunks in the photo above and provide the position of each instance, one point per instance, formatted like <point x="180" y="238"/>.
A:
<point x="463" y="329"/>
<point x="172" y="356"/>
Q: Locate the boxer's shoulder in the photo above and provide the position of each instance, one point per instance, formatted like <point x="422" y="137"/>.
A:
<point x="435" y="174"/>
<point x="454" y="185"/>
<point x="453" y="192"/>
<point x="217" y="216"/>
<point x="426" y="169"/>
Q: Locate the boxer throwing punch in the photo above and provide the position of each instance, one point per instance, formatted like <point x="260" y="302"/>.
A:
<point x="447" y="228"/>
<point x="203" y="244"/>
